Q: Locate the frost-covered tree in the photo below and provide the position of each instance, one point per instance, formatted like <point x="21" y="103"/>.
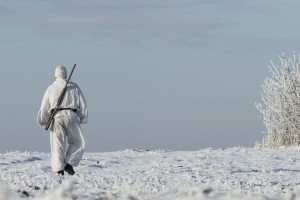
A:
<point x="280" y="106"/>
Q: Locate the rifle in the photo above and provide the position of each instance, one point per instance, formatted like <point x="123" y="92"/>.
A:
<point x="61" y="96"/>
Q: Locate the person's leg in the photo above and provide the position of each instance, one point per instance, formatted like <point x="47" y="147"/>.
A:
<point x="76" y="142"/>
<point x="58" y="145"/>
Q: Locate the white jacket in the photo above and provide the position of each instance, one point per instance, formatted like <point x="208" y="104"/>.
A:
<point x="73" y="99"/>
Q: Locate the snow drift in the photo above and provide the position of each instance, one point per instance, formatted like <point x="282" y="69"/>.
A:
<point x="235" y="173"/>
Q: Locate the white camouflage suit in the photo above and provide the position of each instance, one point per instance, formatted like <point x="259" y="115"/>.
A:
<point x="66" y="140"/>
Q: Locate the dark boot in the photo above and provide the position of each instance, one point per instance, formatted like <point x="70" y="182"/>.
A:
<point x="61" y="172"/>
<point x="69" y="169"/>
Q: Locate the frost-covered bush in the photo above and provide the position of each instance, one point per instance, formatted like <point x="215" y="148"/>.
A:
<point x="280" y="106"/>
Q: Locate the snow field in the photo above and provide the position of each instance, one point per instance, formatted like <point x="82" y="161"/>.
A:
<point x="220" y="174"/>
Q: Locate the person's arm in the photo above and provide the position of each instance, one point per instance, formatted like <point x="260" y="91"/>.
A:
<point x="82" y="108"/>
<point x="43" y="113"/>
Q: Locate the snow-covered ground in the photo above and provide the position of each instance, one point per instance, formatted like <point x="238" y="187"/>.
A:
<point x="234" y="173"/>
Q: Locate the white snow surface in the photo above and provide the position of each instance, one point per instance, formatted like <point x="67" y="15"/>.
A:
<point x="212" y="174"/>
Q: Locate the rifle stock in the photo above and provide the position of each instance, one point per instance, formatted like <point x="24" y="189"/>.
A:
<point x="60" y="98"/>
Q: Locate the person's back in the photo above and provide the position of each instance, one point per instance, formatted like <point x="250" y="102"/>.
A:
<point x="73" y="99"/>
<point x="66" y="124"/>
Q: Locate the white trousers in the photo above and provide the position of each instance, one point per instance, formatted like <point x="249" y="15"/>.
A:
<point x="66" y="141"/>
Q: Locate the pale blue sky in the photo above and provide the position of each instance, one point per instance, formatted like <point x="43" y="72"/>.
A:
<point x="172" y="74"/>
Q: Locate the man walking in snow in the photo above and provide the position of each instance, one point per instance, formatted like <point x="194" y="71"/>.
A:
<point x="66" y="140"/>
